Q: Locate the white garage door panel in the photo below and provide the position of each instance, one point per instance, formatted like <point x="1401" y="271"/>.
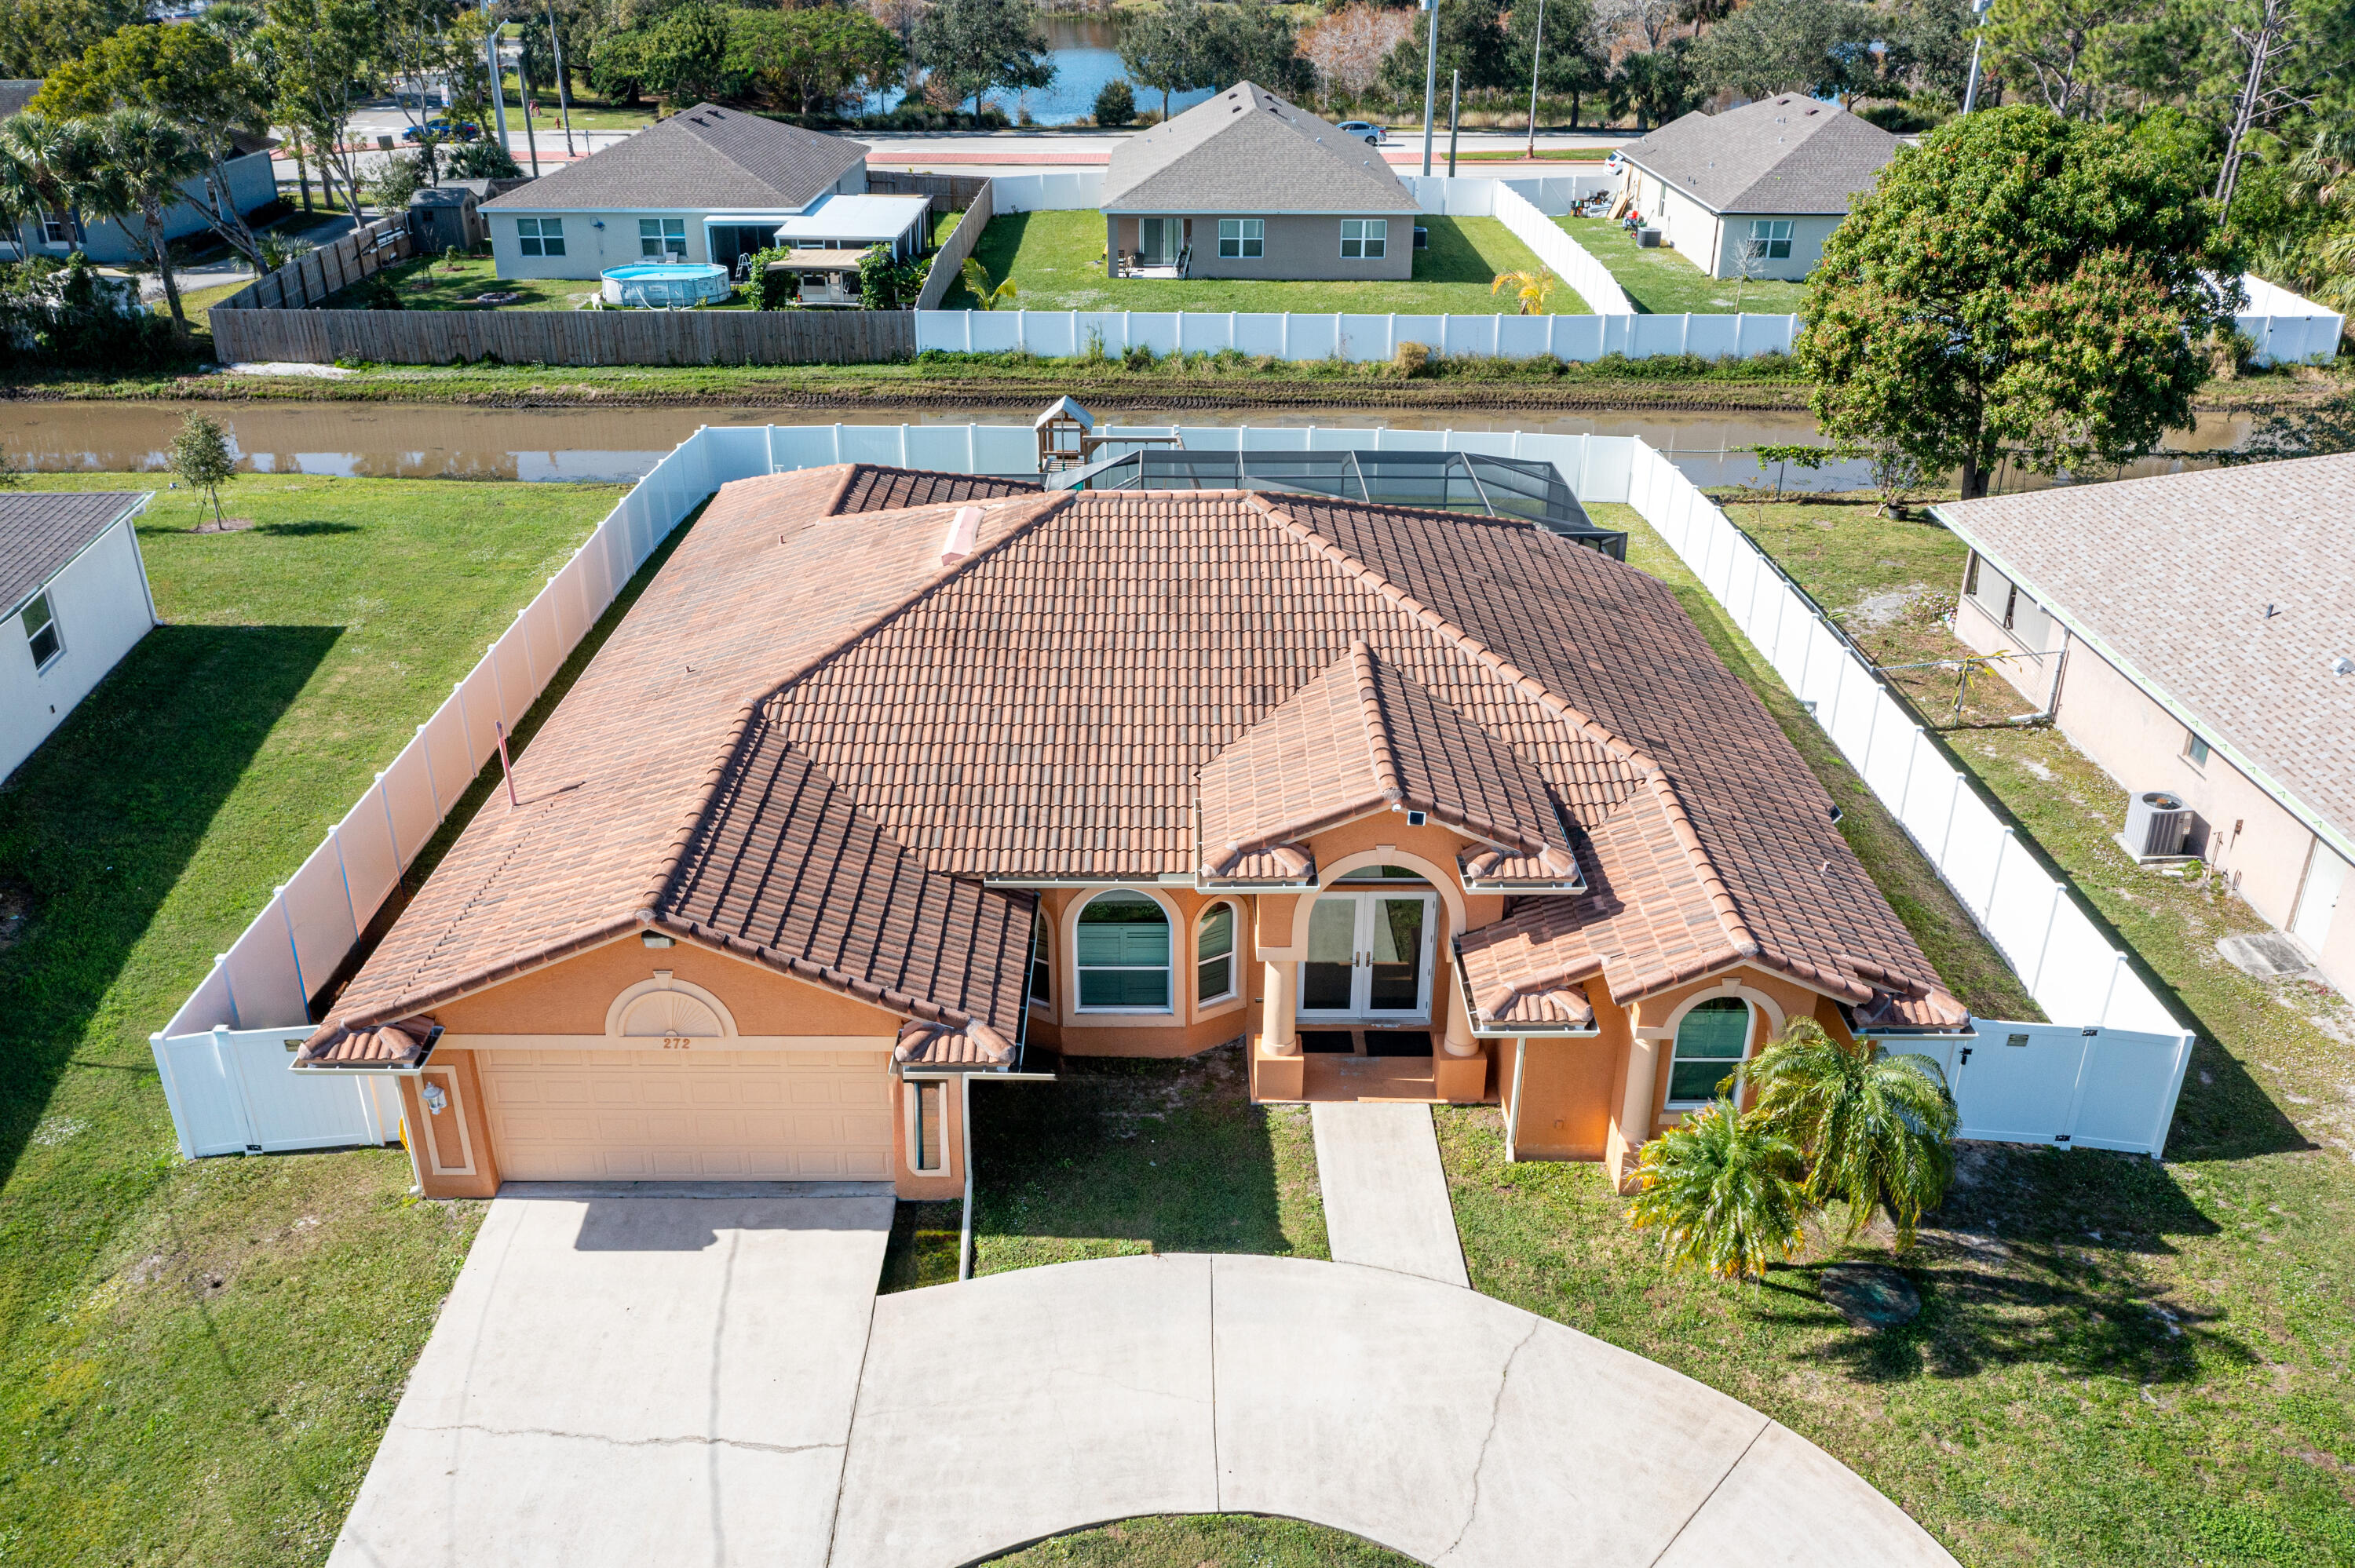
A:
<point x="684" y="1116"/>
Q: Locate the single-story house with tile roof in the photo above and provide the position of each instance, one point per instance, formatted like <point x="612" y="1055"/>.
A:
<point x="1245" y="184"/>
<point x="1765" y="184"/>
<point x="890" y="778"/>
<point x="73" y="598"/>
<point x="2194" y="634"/>
<point x="707" y="185"/>
<point x="251" y="185"/>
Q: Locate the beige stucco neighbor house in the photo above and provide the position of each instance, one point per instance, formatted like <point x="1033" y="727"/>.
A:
<point x="894" y="783"/>
<point x="1766" y="183"/>
<point x="2194" y="634"/>
<point x="1248" y="185"/>
<point x="707" y="185"/>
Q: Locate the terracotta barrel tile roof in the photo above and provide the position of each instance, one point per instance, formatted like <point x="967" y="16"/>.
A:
<point x="810" y="741"/>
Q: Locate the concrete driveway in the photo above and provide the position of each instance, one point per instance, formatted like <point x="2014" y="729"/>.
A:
<point x="1419" y="1415"/>
<point x="633" y="1375"/>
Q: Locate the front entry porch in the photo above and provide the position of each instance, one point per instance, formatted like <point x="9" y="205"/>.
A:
<point x="1408" y="1065"/>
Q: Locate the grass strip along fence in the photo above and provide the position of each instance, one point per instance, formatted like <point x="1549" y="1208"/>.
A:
<point x="2106" y="1075"/>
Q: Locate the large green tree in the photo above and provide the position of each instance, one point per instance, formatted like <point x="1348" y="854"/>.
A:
<point x="129" y="166"/>
<point x="193" y="78"/>
<point x="981" y="46"/>
<point x="1174" y="49"/>
<point x="2019" y="281"/>
<point x="38" y="35"/>
<point x="1260" y="44"/>
<point x="329" y="56"/>
<point x="685" y="57"/>
<point x="1574" y="59"/>
<point x="1471" y="40"/>
<point x="810" y="61"/>
<point x="1815" y="47"/>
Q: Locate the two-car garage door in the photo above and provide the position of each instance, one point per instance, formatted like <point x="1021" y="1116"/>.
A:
<point x="692" y="1115"/>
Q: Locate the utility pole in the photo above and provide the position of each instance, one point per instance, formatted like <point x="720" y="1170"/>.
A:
<point x="563" y="90"/>
<point x="523" y="95"/>
<point x="1455" y="102"/>
<point x="1430" y="82"/>
<point x="1971" y="93"/>
<point x="1537" y="59"/>
<point x="498" y="88"/>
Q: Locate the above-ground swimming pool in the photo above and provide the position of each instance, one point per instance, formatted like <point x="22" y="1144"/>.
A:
<point x="666" y="283"/>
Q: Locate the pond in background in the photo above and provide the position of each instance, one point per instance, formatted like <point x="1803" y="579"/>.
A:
<point x="1086" y="51"/>
<point x="428" y="440"/>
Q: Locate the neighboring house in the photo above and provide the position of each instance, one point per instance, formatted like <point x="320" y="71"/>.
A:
<point x="1765" y="184"/>
<point x="1247" y="186"/>
<point x="892" y="778"/>
<point x="707" y="185"/>
<point x="75" y="595"/>
<point x="252" y="185"/>
<point x="2194" y="634"/>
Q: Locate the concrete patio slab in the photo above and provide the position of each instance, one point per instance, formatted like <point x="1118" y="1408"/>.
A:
<point x="627" y="1373"/>
<point x="1016" y="1405"/>
<point x="1386" y="1201"/>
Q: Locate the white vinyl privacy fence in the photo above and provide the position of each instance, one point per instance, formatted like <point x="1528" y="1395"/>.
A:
<point x="2105" y="1075"/>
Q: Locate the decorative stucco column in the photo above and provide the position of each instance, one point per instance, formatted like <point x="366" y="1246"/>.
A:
<point x="1459" y="1038"/>
<point x="1276" y="1031"/>
<point x="1632" y="1128"/>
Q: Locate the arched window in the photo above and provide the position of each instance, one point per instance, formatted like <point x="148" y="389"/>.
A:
<point x="1711" y="1040"/>
<point x="1214" y="955"/>
<point x="1123" y="954"/>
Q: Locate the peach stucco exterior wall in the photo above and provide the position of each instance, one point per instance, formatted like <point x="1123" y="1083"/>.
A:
<point x="451" y="1152"/>
<point x="572" y="997"/>
<point x="2248" y="837"/>
<point x="949" y="1183"/>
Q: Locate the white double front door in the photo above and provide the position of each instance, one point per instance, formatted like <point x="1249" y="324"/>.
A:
<point x="1369" y="958"/>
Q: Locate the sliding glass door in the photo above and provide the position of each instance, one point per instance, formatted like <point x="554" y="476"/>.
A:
<point x="1369" y="958"/>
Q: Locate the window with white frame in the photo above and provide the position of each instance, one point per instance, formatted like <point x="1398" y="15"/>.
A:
<point x="1770" y="239"/>
<point x="662" y="238"/>
<point x="928" y="1144"/>
<point x="1712" y="1040"/>
<point x="41" y="631"/>
<point x="1122" y="953"/>
<point x="1243" y="238"/>
<point x="57" y="228"/>
<point x="540" y="236"/>
<point x="1214" y="955"/>
<point x="1042" y="951"/>
<point x="1365" y="237"/>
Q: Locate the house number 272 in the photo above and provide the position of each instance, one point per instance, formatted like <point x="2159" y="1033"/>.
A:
<point x="676" y="1042"/>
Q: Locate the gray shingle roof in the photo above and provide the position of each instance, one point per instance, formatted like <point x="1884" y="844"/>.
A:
<point x="41" y="531"/>
<point x="1248" y="151"/>
<point x="1779" y="154"/>
<point x="706" y="158"/>
<point x="2171" y="577"/>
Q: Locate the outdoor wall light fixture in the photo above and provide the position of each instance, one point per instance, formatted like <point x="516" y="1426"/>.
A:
<point x="437" y="1099"/>
<point x="657" y="939"/>
<point x="599" y="223"/>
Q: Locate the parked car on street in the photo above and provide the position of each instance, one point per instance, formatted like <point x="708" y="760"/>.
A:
<point x="1366" y="129"/>
<point x="444" y="130"/>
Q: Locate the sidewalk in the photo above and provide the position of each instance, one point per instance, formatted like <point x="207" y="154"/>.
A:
<point x="1386" y="1201"/>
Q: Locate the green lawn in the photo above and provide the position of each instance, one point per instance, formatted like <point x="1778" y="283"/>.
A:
<point x="197" y="1357"/>
<point x="1664" y="283"/>
<point x="1122" y="1156"/>
<point x="1056" y="258"/>
<point x="1205" y="1541"/>
<point x="2118" y="1362"/>
<point x="430" y="283"/>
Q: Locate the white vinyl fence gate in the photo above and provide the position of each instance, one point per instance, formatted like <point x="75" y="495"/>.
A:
<point x="2105" y="1075"/>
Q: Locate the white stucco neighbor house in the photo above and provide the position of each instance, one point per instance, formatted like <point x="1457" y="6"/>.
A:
<point x="76" y="597"/>
<point x="1766" y="183"/>
<point x="707" y="185"/>
<point x="2194" y="634"/>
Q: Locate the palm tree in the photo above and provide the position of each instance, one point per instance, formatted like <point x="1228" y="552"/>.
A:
<point x="1530" y="290"/>
<point x="1878" y="1130"/>
<point x="976" y="282"/>
<point x="131" y="164"/>
<point x="35" y="148"/>
<point x="1725" y="1189"/>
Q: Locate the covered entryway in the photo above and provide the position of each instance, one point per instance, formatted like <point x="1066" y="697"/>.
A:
<point x="689" y="1114"/>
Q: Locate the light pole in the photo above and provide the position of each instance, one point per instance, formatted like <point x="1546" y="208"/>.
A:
<point x="1537" y="56"/>
<point x="1971" y="93"/>
<point x="1430" y="82"/>
<point x="498" y="91"/>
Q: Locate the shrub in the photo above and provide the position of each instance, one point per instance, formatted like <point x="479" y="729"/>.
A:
<point x="1409" y="358"/>
<point x="1115" y="104"/>
<point x="1137" y="356"/>
<point x="485" y="160"/>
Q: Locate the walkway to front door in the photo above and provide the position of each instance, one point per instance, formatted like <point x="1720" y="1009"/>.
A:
<point x="1386" y="1203"/>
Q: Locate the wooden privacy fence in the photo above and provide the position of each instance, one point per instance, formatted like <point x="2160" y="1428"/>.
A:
<point x="959" y="245"/>
<point x="950" y="192"/>
<point x="568" y="337"/>
<point x="308" y="279"/>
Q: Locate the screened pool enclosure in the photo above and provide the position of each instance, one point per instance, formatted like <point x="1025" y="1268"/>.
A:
<point x="1446" y="480"/>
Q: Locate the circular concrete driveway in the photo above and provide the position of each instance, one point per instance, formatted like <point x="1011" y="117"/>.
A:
<point x="1433" y="1420"/>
